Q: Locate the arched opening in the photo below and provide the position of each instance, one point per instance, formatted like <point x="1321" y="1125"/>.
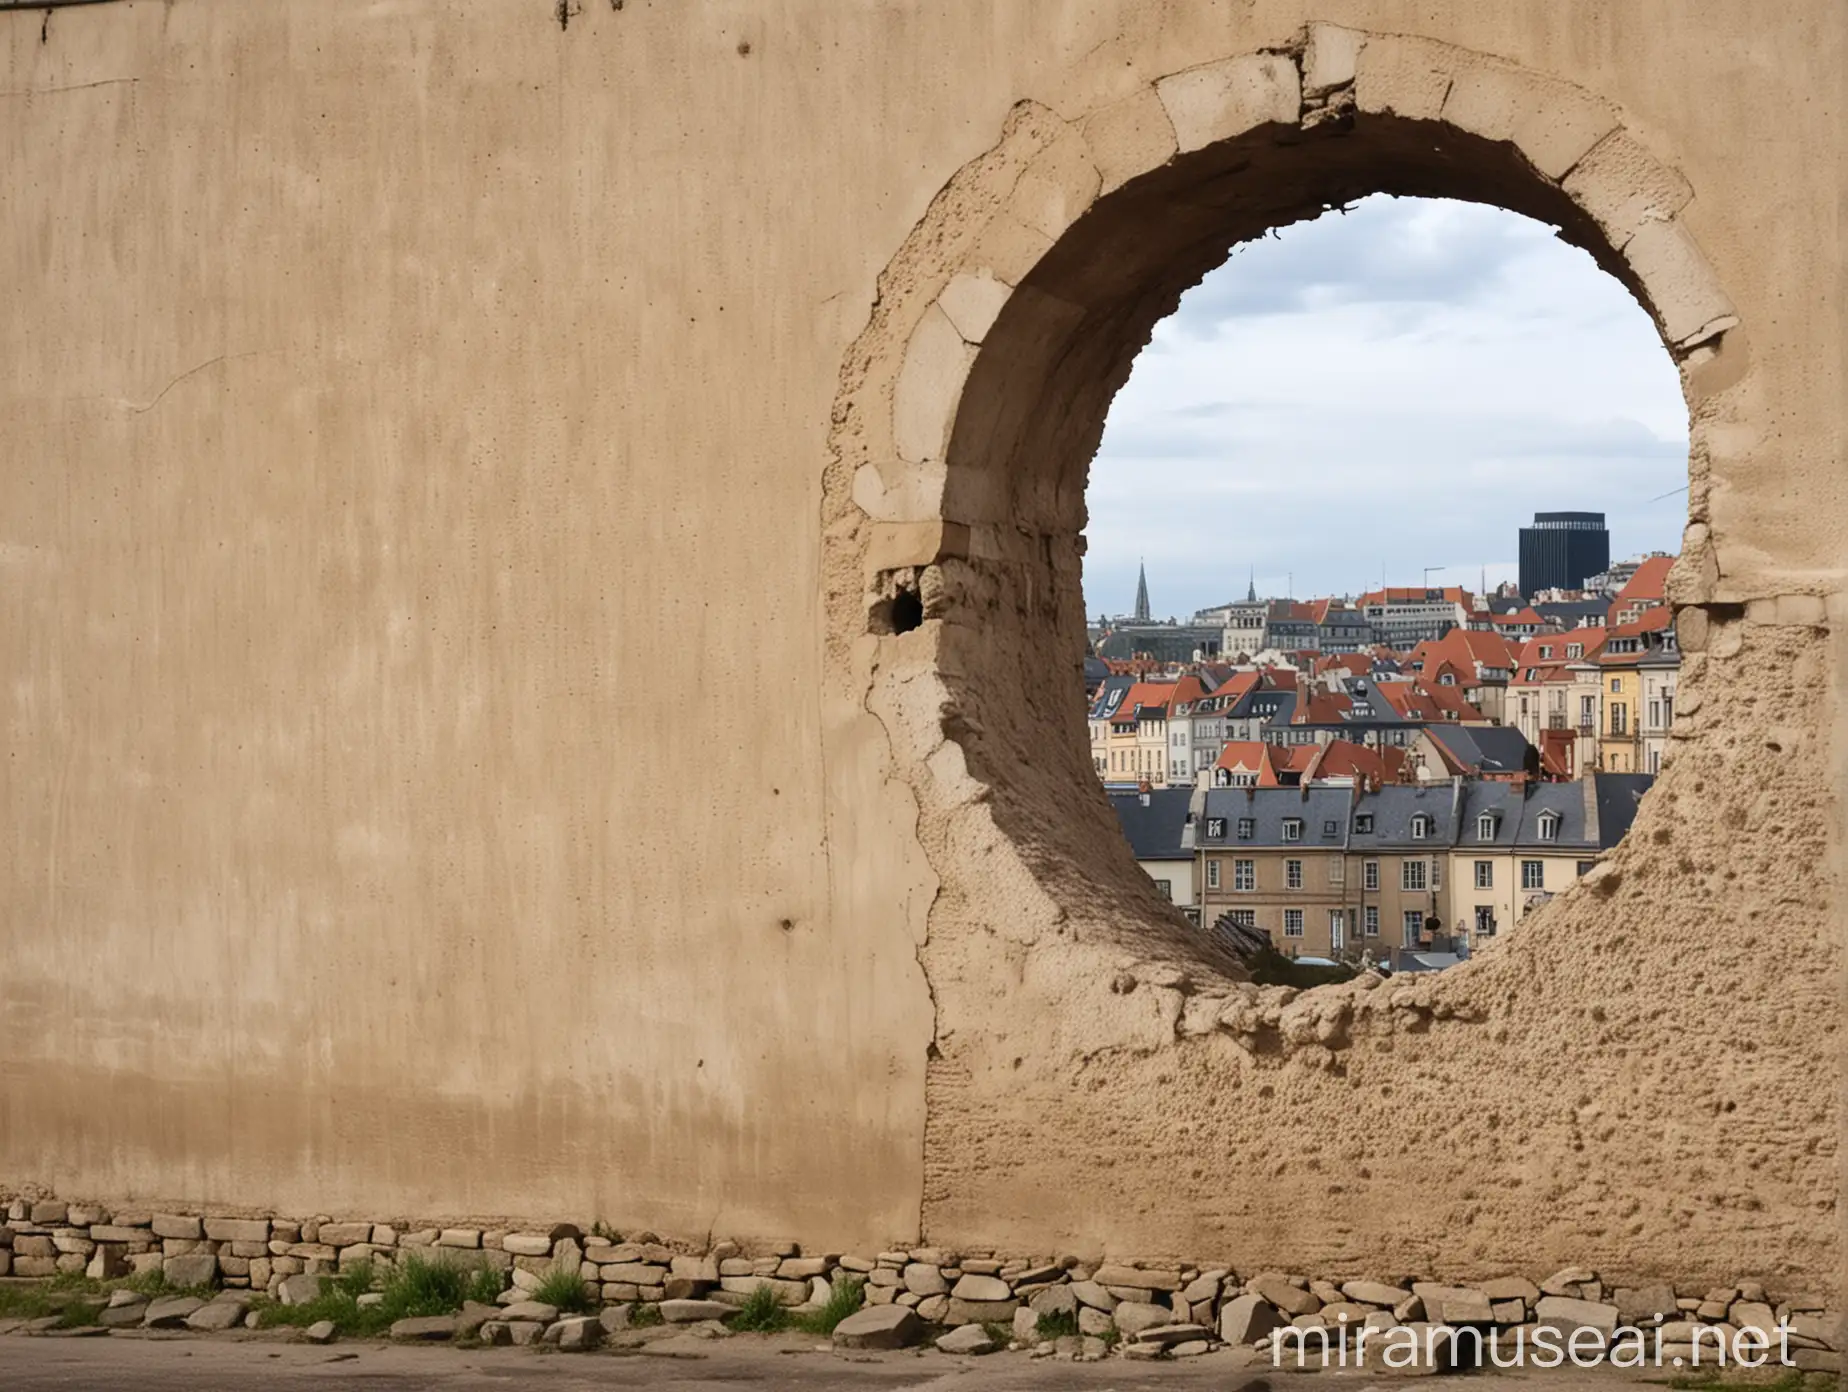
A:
<point x="1389" y="699"/>
<point x="1062" y="985"/>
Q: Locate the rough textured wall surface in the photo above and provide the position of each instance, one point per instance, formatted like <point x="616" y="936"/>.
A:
<point x="458" y="461"/>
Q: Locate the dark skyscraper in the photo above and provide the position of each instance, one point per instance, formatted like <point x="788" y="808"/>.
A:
<point x="1562" y="550"/>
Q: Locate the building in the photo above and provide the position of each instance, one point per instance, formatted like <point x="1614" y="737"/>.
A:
<point x="1156" y="824"/>
<point x="1623" y="746"/>
<point x="1446" y="867"/>
<point x="1402" y="617"/>
<point x="1562" y="550"/>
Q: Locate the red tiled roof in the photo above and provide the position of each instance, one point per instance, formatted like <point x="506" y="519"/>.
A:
<point x="1649" y="583"/>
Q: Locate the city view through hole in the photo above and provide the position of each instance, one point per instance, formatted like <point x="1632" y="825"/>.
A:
<point x="1380" y="657"/>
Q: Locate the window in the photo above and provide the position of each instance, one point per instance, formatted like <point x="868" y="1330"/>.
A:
<point x="1370" y="920"/>
<point x="1370" y="874"/>
<point x="1620" y="720"/>
<point x="1215" y="828"/>
<point x="1337" y="870"/>
<point x="1212" y="874"/>
<point x="1485" y="874"/>
<point x="1588" y="710"/>
<point x="1485" y="920"/>
<point x="1549" y="826"/>
<point x="1244" y="875"/>
<point x="1545" y="651"/>
<point x="1616" y="683"/>
<point x="1421" y="827"/>
<point x="1244" y="918"/>
<point x="1575" y="649"/>
<point x="1363" y="823"/>
<point x="1533" y="874"/>
<point x="1414" y="925"/>
<point x="1292" y="828"/>
<point x="1413" y="875"/>
<point x="1337" y="930"/>
<point x="1584" y="866"/>
<point x="1292" y="874"/>
<point x="1331" y="828"/>
<point x="1292" y="923"/>
<point x="1167" y="889"/>
<point x="1655" y="714"/>
<point x="1485" y="826"/>
<point x="1246" y="826"/>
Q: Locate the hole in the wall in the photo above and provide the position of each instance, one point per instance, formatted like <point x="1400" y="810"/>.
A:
<point x="1342" y="404"/>
<point x="899" y="612"/>
<point x="1030" y="418"/>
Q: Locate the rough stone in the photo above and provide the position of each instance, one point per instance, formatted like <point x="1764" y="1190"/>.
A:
<point x="217" y="1316"/>
<point x="237" y="1229"/>
<point x="1284" y="1294"/>
<point x="1132" y="1317"/>
<point x="1566" y="1314"/>
<point x="692" y="1311"/>
<point x="1247" y="1318"/>
<point x="464" y="1238"/>
<point x="980" y="1311"/>
<point x="299" y="1289"/>
<point x="425" y="1328"/>
<point x="1217" y="101"/>
<point x="1454" y="1304"/>
<point x="200" y="1269"/>
<point x="923" y="1279"/>
<point x="578" y="1333"/>
<point x="176" y="1225"/>
<point x="1091" y="1294"/>
<point x="170" y="1311"/>
<point x="1511" y="1288"/>
<point x="340" y="1234"/>
<point x="1373" y="1292"/>
<point x="1136" y="1278"/>
<point x="877" y="1327"/>
<point x="969" y="1339"/>
<point x="973" y="1287"/>
<point x="321" y="1332"/>
<point x="1638" y="1303"/>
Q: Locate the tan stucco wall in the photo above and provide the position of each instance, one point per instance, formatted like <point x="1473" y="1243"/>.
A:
<point x="448" y="769"/>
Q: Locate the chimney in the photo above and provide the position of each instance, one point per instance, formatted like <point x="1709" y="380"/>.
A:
<point x="1142" y="792"/>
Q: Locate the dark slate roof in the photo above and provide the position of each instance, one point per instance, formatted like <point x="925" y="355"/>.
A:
<point x="1566" y="801"/>
<point x="1572" y="612"/>
<point x="1500" y="801"/>
<point x="1491" y="748"/>
<point x="1618" y="796"/>
<point x="1154" y="832"/>
<point x="1110" y="695"/>
<point x="1392" y="809"/>
<point x="1256" y="701"/>
<point x="1095" y="671"/>
<point x="1268" y="808"/>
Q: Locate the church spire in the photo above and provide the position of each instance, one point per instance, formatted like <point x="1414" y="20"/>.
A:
<point x="1142" y="593"/>
<point x="1251" y="591"/>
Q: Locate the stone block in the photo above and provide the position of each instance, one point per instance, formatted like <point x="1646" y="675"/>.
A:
<point x="929" y="388"/>
<point x="787" y="1292"/>
<point x="693" y="1311"/>
<point x="880" y="1327"/>
<point x="527" y="1244"/>
<point x="1136" y="1278"/>
<point x="1400" y="75"/>
<point x="1128" y="138"/>
<point x="49" y="1213"/>
<point x="978" y="1288"/>
<point x="1330" y="58"/>
<point x="1217" y="101"/>
<point x="34" y="1267"/>
<point x="1132" y="1317"/>
<point x="171" y="1311"/>
<point x="109" y="1232"/>
<point x="802" y="1268"/>
<point x="299" y="1289"/>
<point x="1454" y="1304"/>
<point x="1247" y="1318"/>
<point x="199" y="1269"/>
<point x="968" y="1339"/>
<point x="237" y="1229"/>
<point x="1621" y="183"/>
<point x="980" y="1311"/>
<point x="343" y="1234"/>
<point x="643" y="1273"/>
<point x="971" y="302"/>
<point x="217" y="1316"/>
<point x="1566" y="1314"/>
<point x="1286" y="1295"/>
<point x="1638" y="1303"/>
<point x="1374" y="1293"/>
<point x="458" y="1237"/>
<point x="176" y="1225"/>
<point x="1511" y="1288"/>
<point x="1679" y="283"/>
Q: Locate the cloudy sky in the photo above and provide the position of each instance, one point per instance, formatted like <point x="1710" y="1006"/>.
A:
<point x="1402" y="385"/>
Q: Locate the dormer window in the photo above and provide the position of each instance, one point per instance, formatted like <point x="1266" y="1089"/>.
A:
<point x="1215" y="828"/>
<point x="1575" y="649"/>
<point x="1363" y="823"/>
<point x="1485" y="826"/>
<point x="1247" y="827"/>
<point x="1331" y="828"/>
<point x="1545" y="651"/>
<point x="1447" y="680"/>
<point x="1292" y="828"/>
<point x="1549" y="826"/>
<point x="1421" y="827"/>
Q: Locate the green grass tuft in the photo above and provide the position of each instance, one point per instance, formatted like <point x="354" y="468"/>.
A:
<point x="844" y="1298"/>
<point x="1061" y="1324"/>
<point x="1000" y="1334"/>
<point x="416" y="1286"/>
<point x="762" y="1312"/>
<point x="644" y="1316"/>
<point x="569" y="1293"/>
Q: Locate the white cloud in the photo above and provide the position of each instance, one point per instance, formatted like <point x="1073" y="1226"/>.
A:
<point x="1403" y="384"/>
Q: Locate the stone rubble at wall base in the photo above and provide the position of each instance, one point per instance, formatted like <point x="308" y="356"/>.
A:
<point x="1142" y="1309"/>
